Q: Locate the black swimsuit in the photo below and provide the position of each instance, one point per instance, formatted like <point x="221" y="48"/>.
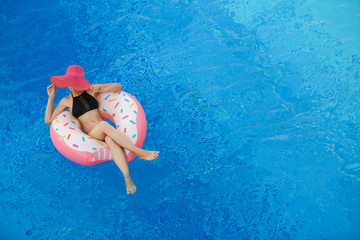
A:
<point x="83" y="103"/>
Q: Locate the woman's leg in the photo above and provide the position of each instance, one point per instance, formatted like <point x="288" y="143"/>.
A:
<point x="104" y="128"/>
<point x="120" y="159"/>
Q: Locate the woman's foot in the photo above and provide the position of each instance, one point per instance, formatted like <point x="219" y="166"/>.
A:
<point x="148" y="155"/>
<point x="130" y="186"/>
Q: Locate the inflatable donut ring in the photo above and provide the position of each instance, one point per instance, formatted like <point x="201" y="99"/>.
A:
<point x="119" y="107"/>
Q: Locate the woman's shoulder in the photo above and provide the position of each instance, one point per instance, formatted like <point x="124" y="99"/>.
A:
<point x="91" y="92"/>
<point x="66" y="101"/>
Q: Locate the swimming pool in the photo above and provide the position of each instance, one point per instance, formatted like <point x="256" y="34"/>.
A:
<point x="253" y="106"/>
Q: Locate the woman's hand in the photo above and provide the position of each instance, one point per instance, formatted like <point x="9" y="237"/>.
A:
<point x="51" y="90"/>
<point x="96" y="88"/>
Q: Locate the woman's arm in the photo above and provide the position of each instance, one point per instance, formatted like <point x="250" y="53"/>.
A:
<point x="49" y="113"/>
<point x="109" y="87"/>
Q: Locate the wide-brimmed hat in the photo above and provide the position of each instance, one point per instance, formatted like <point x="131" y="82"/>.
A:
<point x="74" y="78"/>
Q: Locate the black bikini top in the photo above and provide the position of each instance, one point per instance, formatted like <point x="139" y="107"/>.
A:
<point x="83" y="103"/>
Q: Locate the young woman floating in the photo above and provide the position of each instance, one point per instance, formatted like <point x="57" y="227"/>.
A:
<point x="84" y="107"/>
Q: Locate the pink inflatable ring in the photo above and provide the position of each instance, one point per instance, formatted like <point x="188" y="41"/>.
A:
<point x="121" y="108"/>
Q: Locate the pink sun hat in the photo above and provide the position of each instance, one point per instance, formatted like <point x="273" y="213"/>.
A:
<point x="74" y="78"/>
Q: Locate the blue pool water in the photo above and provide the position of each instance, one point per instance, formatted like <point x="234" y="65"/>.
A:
<point x="253" y="105"/>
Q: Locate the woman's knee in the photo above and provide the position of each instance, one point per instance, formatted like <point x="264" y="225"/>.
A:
<point x="112" y="144"/>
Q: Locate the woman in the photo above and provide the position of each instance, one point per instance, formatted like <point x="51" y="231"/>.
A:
<point x="83" y="105"/>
